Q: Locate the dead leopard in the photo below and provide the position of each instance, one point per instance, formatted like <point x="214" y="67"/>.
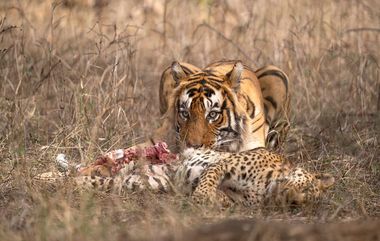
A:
<point x="251" y="177"/>
<point x="256" y="177"/>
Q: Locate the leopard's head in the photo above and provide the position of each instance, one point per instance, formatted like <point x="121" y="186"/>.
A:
<point x="300" y="188"/>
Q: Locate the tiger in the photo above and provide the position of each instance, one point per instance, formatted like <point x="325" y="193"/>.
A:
<point x="225" y="106"/>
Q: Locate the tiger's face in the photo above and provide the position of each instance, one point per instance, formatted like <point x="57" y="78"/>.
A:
<point x="205" y="112"/>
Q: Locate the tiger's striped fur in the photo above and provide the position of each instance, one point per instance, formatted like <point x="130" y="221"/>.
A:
<point x="255" y="107"/>
<point x="274" y="87"/>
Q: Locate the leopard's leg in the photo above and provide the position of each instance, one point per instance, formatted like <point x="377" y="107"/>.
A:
<point x="223" y="199"/>
<point x="251" y="198"/>
<point x="95" y="182"/>
<point x="220" y="198"/>
<point x="118" y="185"/>
<point x="157" y="177"/>
<point x="209" y="181"/>
<point x="152" y="177"/>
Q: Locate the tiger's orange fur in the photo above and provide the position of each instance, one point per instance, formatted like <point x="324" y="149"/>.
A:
<point x="258" y="106"/>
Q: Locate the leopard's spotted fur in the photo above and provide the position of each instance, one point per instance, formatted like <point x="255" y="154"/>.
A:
<point x="250" y="178"/>
<point x="258" y="176"/>
<point x="132" y="177"/>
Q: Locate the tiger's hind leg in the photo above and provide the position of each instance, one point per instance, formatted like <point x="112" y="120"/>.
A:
<point x="277" y="133"/>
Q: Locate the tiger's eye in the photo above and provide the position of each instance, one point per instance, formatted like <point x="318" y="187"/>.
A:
<point x="184" y="114"/>
<point x="213" y="115"/>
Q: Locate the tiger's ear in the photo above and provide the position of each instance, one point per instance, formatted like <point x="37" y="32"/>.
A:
<point x="177" y="72"/>
<point x="234" y="76"/>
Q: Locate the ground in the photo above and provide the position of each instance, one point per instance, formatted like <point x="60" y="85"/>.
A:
<point x="81" y="77"/>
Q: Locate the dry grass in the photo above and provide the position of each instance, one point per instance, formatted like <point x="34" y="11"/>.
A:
<point x="82" y="80"/>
